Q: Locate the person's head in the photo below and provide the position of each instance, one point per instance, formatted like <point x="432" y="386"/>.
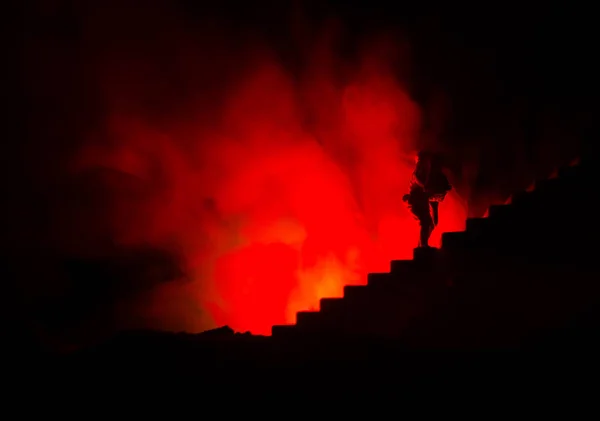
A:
<point x="436" y="161"/>
<point x="422" y="156"/>
<point x="433" y="158"/>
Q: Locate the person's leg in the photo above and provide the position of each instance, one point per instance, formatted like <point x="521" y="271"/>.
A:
<point x="422" y="211"/>
<point x="434" y="211"/>
<point x="426" y="229"/>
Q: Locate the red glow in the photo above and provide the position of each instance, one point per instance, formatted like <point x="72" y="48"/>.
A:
<point x="272" y="210"/>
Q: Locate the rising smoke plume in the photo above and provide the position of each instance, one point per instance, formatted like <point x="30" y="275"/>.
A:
<point x="264" y="179"/>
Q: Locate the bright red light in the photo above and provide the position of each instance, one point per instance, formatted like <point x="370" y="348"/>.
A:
<point x="272" y="209"/>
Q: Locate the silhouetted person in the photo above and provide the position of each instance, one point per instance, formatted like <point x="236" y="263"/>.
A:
<point x="428" y="187"/>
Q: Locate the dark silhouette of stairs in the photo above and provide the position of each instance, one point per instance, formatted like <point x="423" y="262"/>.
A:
<point x="507" y="280"/>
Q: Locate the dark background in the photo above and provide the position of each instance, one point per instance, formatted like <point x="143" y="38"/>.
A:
<point x="520" y="78"/>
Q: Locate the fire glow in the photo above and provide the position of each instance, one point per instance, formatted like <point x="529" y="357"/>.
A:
<point x="291" y="192"/>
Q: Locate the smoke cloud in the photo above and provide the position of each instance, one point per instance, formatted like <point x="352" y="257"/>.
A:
<point x="214" y="177"/>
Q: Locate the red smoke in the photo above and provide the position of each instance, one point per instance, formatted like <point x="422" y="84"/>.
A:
<point x="277" y="187"/>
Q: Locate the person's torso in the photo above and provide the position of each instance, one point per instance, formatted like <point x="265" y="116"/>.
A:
<point x="437" y="183"/>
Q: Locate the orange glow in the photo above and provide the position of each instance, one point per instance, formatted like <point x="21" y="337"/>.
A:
<point x="272" y="210"/>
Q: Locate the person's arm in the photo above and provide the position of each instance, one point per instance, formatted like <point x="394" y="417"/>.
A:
<point x="423" y="170"/>
<point x="415" y="180"/>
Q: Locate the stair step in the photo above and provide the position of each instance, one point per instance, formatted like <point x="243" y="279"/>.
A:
<point x="499" y="235"/>
<point x="501" y="211"/>
<point x="536" y="207"/>
<point x="394" y="287"/>
<point x="455" y="240"/>
<point x="328" y="305"/>
<point x="353" y="291"/>
<point x="525" y="198"/>
<point x="539" y="198"/>
<point x="571" y="172"/>
<point x="309" y="319"/>
<point x="375" y="278"/>
<point x="283" y="331"/>
<point x="426" y="255"/>
<point x="551" y="185"/>
<point x="388" y="282"/>
<point x="478" y="225"/>
<point x="402" y="266"/>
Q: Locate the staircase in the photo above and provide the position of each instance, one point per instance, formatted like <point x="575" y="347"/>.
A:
<point x="508" y="279"/>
